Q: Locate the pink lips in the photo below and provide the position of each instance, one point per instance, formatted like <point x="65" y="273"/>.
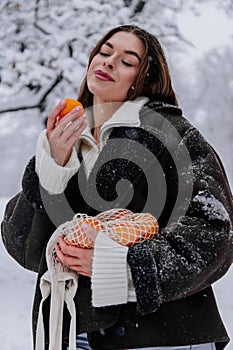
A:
<point x="99" y="74"/>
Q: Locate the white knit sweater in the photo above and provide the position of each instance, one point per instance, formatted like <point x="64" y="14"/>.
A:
<point x="111" y="278"/>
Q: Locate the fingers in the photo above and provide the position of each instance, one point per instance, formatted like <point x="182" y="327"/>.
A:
<point x="69" y="250"/>
<point x="77" y="259"/>
<point x="71" y="131"/>
<point x="52" y="119"/>
<point x="65" y="133"/>
<point x="59" y="126"/>
<point x="68" y="131"/>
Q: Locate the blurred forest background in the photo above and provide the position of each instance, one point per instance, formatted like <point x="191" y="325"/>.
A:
<point x="44" y="47"/>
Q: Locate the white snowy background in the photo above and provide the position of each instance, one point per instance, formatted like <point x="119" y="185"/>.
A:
<point x="44" y="45"/>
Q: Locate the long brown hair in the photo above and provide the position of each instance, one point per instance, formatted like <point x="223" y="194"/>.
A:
<point x="153" y="80"/>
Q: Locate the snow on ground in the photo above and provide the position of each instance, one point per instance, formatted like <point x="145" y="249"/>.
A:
<point x="16" y="296"/>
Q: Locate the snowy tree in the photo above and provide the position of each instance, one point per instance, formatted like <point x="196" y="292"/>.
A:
<point x="47" y="42"/>
<point x="213" y="100"/>
<point x="205" y="93"/>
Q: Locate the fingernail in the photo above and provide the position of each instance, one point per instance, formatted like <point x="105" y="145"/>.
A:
<point x="63" y="102"/>
<point x="78" y="109"/>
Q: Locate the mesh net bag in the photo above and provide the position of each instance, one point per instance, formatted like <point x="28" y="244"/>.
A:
<point x="122" y="225"/>
<point x="61" y="283"/>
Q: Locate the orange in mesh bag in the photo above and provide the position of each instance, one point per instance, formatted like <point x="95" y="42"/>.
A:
<point x="122" y="225"/>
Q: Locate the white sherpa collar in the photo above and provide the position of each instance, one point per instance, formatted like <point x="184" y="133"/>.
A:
<point x="126" y="115"/>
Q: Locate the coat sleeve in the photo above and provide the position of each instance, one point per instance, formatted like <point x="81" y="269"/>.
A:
<point x="32" y="216"/>
<point x="194" y="251"/>
<point x="26" y="227"/>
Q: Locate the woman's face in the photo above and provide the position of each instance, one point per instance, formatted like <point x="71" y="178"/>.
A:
<point x="114" y="69"/>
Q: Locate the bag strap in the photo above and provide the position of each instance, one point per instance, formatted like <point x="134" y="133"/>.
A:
<point x="62" y="287"/>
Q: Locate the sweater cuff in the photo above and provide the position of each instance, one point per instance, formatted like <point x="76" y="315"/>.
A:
<point x="53" y="177"/>
<point x="109" y="272"/>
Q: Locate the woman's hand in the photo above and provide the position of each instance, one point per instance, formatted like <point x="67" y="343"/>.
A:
<point x="63" y="133"/>
<point x="75" y="258"/>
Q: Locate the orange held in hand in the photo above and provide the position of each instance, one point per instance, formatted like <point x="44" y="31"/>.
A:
<point x="122" y="225"/>
<point x="76" y="236"/>
<point x="70" y="104"/>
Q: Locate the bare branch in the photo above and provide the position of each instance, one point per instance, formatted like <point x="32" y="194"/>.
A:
<point x="139" y="6"/>
<point x="175" y="33"/>
<point x="127" y="2"/>
<point x="36" y="18"/>
<point x="37" y="101"/>
<point x="3" y="5"/>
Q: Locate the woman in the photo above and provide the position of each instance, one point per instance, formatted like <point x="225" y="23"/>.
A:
<point x="157" y="293"/>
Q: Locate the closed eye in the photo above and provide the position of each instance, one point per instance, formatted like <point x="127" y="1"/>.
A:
<point x="127" y="64"/>
<point x="105" y="54"/>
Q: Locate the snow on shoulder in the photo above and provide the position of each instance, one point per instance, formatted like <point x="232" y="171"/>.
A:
<point x="212" y="207"/>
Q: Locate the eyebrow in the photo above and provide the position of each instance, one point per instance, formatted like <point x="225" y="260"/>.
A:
<point x="129" y="52"/>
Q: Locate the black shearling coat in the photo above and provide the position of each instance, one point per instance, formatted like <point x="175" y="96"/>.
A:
<point x="173" y="273"/>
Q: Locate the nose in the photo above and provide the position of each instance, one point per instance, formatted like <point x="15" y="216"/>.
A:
<point x="109" y="62"/>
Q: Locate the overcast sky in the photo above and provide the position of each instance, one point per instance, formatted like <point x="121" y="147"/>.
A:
<point x="211" y="29"/>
